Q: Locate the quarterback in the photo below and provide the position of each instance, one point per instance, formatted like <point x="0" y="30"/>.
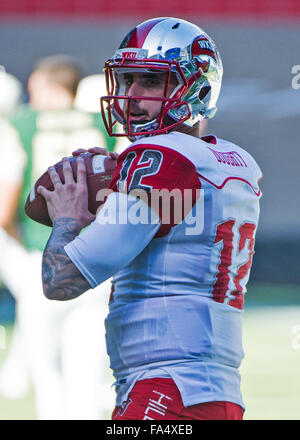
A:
<point x="174" y="328"/>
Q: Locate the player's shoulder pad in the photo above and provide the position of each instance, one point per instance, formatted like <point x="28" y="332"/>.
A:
<point x="215" y="160"/>
<point x="225" y="161"/>
<point x="152" y="163"/>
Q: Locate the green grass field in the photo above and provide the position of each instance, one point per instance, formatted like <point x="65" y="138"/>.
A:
<point x="271" y="368"/>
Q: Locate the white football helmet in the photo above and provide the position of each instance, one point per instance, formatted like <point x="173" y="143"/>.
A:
<point x="164" y="45"/>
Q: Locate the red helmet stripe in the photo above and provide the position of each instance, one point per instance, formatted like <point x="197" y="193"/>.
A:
<point x="141" y="32"/>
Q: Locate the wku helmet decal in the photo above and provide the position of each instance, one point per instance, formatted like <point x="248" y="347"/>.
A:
<point x="202" y="46"/>
<point x="131" y="53"/>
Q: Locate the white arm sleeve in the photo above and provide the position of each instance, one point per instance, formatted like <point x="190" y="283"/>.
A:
<point x="122" y="229"/>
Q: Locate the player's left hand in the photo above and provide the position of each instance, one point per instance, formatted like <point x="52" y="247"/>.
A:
<point x="69" y="200"/>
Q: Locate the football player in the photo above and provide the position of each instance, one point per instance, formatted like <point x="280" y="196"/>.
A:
<point x="174" y="329"/>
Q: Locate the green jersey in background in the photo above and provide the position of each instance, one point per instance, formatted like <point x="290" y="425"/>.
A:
<point x="47" y="137"/>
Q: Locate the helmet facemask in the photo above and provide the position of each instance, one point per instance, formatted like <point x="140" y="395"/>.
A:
<point x="120" y="106"/>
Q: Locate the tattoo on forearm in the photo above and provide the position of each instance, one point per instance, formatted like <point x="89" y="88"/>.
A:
<point x="61" y="279"/>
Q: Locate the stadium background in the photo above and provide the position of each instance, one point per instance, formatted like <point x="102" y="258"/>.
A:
<point x="259" y="42"/>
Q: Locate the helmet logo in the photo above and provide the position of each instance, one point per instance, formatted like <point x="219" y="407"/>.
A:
<point x="202" y="46"/>
<point x="131" y="53"/>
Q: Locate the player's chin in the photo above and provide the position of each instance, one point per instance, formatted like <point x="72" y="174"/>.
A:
<point x="134" y="124"/>
<point x="139" y="121"/>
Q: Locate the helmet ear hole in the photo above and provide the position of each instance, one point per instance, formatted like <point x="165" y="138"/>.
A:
<point x="204" y="92"/>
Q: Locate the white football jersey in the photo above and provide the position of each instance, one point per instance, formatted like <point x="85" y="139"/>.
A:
<point x="175" y="308"/>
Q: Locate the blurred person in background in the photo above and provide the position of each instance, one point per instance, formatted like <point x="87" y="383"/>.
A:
<point x="59" y="348"/>
<point x="12" y="159"/>
<point x="14" y="376"/>
<point x="11" y="90"/>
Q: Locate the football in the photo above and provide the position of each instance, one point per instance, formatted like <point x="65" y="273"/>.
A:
<point x="99" y="168"/>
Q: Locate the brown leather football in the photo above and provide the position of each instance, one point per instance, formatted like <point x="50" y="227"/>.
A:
<point x="99" y="168"/>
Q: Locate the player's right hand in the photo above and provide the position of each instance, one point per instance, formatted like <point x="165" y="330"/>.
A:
<point x="68" y="199"/>
<point x="95" y="150"/>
